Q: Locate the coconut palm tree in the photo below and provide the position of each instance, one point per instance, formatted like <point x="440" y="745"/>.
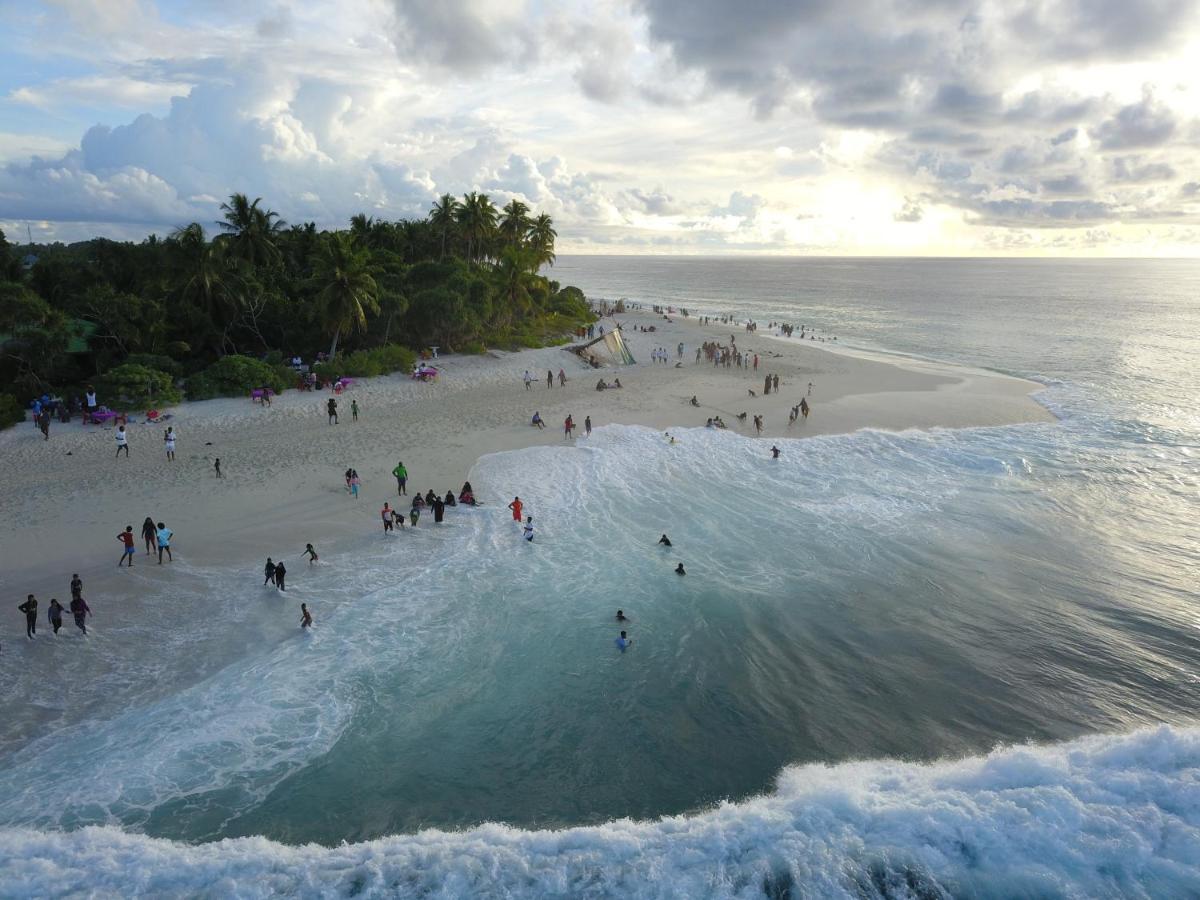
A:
<point x="251" y="230"/>
<point x="477" y="221"/>
<point x="346" y="288"/>
<point x="514" y="224"/>
<point x="202" y="274"/>
<point x="443" y="217"/>
<point x="541" y="239"/>
<point x="515" y="279"/>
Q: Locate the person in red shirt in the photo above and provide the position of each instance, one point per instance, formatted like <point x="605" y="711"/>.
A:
<point x="126" y="538"/>
<point x="568" y="427"/>
<point x="515" y="506"/>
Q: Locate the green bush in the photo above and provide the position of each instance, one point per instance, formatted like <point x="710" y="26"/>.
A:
<point x="237" y="376"/>
<point x="11" y="411"/>
<point x="132" y="385"/>
<point x="155" y="361"/>
<point x="473" y="348"/>
<point x="367" y="363"/>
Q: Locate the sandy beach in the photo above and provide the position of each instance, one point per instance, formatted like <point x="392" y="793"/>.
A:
<point x="283" y="464"/>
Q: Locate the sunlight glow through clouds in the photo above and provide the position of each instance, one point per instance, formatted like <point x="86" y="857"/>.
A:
<point x="882" y="126"/>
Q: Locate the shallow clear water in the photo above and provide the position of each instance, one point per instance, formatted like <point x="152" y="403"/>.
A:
<point x="913" y="596"/>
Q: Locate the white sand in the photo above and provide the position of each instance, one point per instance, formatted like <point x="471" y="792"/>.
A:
<point x="66" y="499"/>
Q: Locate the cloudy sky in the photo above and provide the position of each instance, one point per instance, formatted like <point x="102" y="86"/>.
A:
<point x="643" y="126"/>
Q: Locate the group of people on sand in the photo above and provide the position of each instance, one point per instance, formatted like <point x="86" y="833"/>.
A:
<point x="157" y="537"/>
<point x="614" y="385"/>
<point x="54" y="613"/>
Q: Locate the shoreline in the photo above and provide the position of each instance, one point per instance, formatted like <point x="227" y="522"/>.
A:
<point x="157" y="630"/>
<point x="283" y="463"/>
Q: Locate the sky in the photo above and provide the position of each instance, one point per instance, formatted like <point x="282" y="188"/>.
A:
<point x="876" y="127"/>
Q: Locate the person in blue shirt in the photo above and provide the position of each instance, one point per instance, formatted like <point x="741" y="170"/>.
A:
<point x="164" y="542"/>
<point x="623" y="642"/>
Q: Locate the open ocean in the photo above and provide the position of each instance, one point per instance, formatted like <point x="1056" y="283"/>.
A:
<point x="922" y="664"/>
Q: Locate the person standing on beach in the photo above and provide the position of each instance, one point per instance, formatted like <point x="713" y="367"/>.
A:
<point x="562" y="378"/>
<point x="516" y="506"/>
<point x="90" y="399"/>
<point x="126" y="538"/>
<point x="386" y="515"/>
<point x="169" y="440"/>
<point x="354" y="482"/>
<point x="280" y="575"/>
<point x="122" y="441"/>
<point x="775" y="383"/>
<point x="353" y="410"/>
<point x="401" y="474"/>
<point x="217" y="467"/>
<point x="80" y="610"/>
<point x="549" y="379"/>
<point x="439" y="509"/>
<point x="269" y="572"/>
<point x="331" y="409"/>
<point x="528" y="380"/>
<point x="756" y="363"/>
<point x="164" y="542"/>
<point x="305" y="616"/>
<point x="149" y="534"/>
<point x="310" y="553"/>
<point x="804" y="408"/>
<point x="568" y="427"/>
<point x="587" y="425"/>
<point x="29" y="607"/>
<point x="54" y="614"/>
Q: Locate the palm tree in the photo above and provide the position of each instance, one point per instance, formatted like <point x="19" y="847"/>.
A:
<point x="252" y="231"/>
<point x="541" y="239"/>
<point x="346" y="287"/>
<point x="515" y="223"/>
<point x="204" y="278"/>
<point x="516" y="280"/>
<point x="477" y="220"/>
<point x="443" y="217"/>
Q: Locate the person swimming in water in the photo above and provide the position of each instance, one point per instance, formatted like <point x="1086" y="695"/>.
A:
<point x="679" y="570"/>
<point x="621" y="617"/>
<point x="665" y="541"/>
<point x="774" y="452"/>
<point x="623" y="642"/>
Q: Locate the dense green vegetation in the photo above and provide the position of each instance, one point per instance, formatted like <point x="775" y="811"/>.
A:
<point x="218" y="314"/>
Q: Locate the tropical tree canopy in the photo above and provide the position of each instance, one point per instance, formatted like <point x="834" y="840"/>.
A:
<point x="466" y="275"/>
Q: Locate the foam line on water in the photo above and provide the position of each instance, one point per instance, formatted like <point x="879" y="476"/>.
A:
<point x="1095" y="817"/>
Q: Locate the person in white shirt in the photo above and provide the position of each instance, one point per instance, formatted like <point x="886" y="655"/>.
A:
<point x="122" y="441"/>
<point x="169" y="440"/>
<point x="529" y="528"/>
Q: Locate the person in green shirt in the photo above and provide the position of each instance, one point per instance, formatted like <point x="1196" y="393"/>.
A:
<point x="401" y="474"/>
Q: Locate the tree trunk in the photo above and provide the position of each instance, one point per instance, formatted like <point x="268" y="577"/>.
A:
<point x="337" y="333"/>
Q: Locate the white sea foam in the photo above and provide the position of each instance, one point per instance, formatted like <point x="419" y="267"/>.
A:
<point x="1096" y="817"/>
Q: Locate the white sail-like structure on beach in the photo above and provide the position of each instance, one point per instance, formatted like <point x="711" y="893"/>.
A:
<point x="615" y="350"/>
